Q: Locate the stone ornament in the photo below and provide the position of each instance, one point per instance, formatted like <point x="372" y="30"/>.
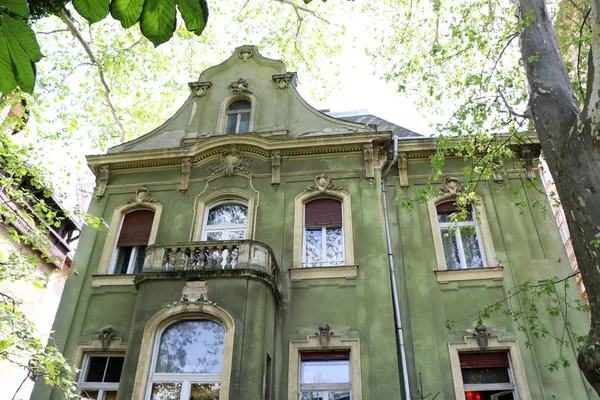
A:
<point x="322" y="183"/>
<point x="231" y="160"/>
<point x="275" y="168"/>
<point x="283" y="80"/>
<point x="194" y="292"/>
<point x="324" y="333"/>
<point x="142" y="195"/>
<point x="103" y="174"/>
<point x="451" y="185"/>
<point x="245" y="54"/>
<point x="106" y="336"/>
<point x="186" y="169"/>
<point x="240" y="86"/>
<point x="199" y="89"/>
<point x="482" y="333"/>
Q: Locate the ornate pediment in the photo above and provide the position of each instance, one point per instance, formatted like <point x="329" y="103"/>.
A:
<point x="451" y="185"/>
<point x="142" y="195"/>
<point x="322" y="183"/>
<point x="231" y="160"/>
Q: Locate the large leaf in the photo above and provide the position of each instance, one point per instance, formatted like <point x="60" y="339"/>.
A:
<point x="22" y="66"/>
<point x="126" y="11"/>
<point x="7" y="77"/>
<point x="17" y="6"/>
<point x="92" y="10"/>
<point x="26" y="38"/>
<point x="158" y="20"/>
<point x="194" y="13"/>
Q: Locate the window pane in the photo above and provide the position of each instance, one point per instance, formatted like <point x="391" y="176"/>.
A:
<point x="123" y="256"/>
<point x="314" y="246"/>
<point x="90" y="394"/>
<point x="237" y="235"/>
<point x="244" y="123"/>
<point x="191" y="347"/>
<point x="335" y="245"/>
<point x="313" y="396"/>
<point x="205" y="391"/>
<point x="339" y="396"/>
<point x="166" y="391"/>
<point x="239" y="105"/>
<point x="450" y="249"/>
<point x="228" y="214"/>
<point x="113" y="372"/>
<point x="231" y="122"/>
<point x="110" y="395"/>
<point x="214" y="235"/>
<point x="139" y="260"/>
<point x="96" y="367"/>
<point x="485" y="375"/>
<point x="334" y="371"/>
<point x="471" y="248"/>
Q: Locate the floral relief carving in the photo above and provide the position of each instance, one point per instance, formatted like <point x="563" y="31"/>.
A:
<point x="322" y="183"/>
<point x="231" y="160"/>
<point x="142" y="195"/>
<point x="451" y="185"/>
<point x="245" y="54"/>
<point x="240" y="86"/>
<point x="199" y="89"/>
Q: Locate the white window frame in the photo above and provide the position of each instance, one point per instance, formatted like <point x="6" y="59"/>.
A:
<point x="238" y="114"/>
<point x="186" y="380"/>
<point x="455" y="228"/>
<point x="224" y="228"/>
<point x="326" y="387"/>
<point x="101" y="387"/>
<point x="324" y="262"/>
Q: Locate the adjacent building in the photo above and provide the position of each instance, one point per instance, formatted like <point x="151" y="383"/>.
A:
<point x="247" y="258"/>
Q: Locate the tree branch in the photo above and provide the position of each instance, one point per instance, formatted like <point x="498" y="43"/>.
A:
<point x="77" y="34"/>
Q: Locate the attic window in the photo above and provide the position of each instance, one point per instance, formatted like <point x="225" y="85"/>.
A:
<point x="238" y="117"/>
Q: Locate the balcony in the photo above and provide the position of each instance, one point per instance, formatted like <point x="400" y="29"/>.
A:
<point x="215" y="258"/>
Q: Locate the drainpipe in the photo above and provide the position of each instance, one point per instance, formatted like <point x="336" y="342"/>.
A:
<point x="395" y="302"/>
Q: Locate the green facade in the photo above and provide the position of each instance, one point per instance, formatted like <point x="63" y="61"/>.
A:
<point x="275" y="304"/>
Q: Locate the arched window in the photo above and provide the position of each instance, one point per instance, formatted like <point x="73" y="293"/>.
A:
<point x="461" y="239"/>
<point x="238" y="117"/>
<point x="323" y="243"/>
<point x="188" y="361"/>
<point x="132" y="241"/>
<point x="226" y="221"/>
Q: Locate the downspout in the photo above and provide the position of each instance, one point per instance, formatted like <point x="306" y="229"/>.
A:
<point x="395" y="302"/>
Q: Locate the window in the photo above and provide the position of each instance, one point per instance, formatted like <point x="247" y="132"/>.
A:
<point x="238" y="117"/>
<point x="487" y="376"/>
<point x="323" y="243"/>
<point x="131" y="244"/>
<point x="100" y="375"/>
<point x="188" y="361"/>
<point x="325" y="376"/>
<point x="461" y="240"/>
<point x="226" y="221"/>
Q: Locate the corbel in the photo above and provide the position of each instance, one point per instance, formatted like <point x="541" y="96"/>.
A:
<point x="103" y="174"/>
<point x="527" y="156"/>
<point x="199" y="89"/>
<point x="275" y="168"/>
<point x="369" y="161"/>
<point x="186" y="169"/>
<point x="403" y="170"/>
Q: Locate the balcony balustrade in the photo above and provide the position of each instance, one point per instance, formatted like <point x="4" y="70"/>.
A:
<point x="211" y="256"/>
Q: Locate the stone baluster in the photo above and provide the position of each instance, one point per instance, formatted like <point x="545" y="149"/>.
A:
<point x="228" y="257"/>
<point x="219" y="252"/>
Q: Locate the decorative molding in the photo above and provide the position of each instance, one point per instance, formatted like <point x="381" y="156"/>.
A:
<point x="112" y="280"/>
<point x="240" y="86"/>
<point x="369" y="161"/>
<point x="106" y="336"/>
<point x="199" y="89"/>
<point x="283" y="80"/>
<point x="451" y="185"/>
<point x="322" y="183"/>
<point x="275" y="168"/>
<point x="194" y="292"/>
<point x="245" y="54"/>
<point x="528" y="156"/>
<point x="186" y="169"/>
<point x="231" y="160"/>
<point x="469" y="274"/>
<point x="403" y="170"/>
<point x="324" y="333"/>
<point x="345" y="272"/>
<point x="142" y="195"/>
<point x="482" y="333"/>
<point x="103" y="174"/>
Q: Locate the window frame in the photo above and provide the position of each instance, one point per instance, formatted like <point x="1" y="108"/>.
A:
<point x="134" y="250"/>
<point x="99" y="386"/>
<point x="325" y="387"/>
<point x="226" y="228"/>
<point x="324" y="228"/>
<point x="238" y="118"/>
<point x="227" y="102"/>
<point x="186" y="379"/>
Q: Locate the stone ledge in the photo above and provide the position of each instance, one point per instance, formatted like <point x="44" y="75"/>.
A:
<point x="469" y="274"/>
<point x="347" y="272"/>
<point x="112" y="280"/>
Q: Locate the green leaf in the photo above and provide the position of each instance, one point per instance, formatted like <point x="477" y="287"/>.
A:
<point x="23" y="67"/>
<point x="194" y="13"/>
<point x="92" y="10"/>
<point x="26" y="38"/>
<point x="158" y="20"/>
<point x="126" y="11"/>
<point x="7" y="77"/>
<point x="17" y="6"/>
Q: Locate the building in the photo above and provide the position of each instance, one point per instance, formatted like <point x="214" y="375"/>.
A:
<point x="247" y="258"/>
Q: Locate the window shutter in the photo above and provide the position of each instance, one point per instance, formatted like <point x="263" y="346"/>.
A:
<point x="136" y="228"/>
<point x="498" y="359"/>
<point x="449" y="207"/>
<point x="322" y="212"/>
<point x="323" y="356"/>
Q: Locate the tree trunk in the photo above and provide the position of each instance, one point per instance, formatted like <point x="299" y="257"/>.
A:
<point x="570" y="139"/>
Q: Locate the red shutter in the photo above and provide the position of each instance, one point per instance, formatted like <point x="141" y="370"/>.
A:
<point x="323" y="356"/>
<point x="322" y="212"/>
<point x="497" y="359"/>
<point x="136" y="228"/>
